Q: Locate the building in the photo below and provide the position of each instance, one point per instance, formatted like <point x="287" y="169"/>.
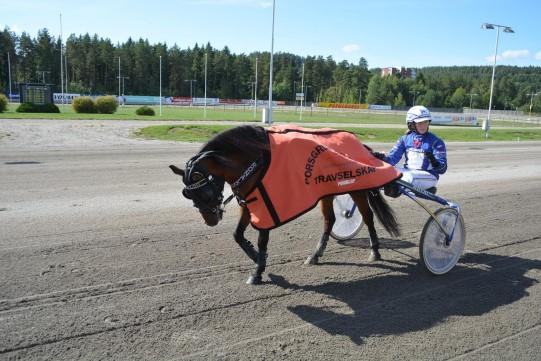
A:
<point x="406" y="73"/>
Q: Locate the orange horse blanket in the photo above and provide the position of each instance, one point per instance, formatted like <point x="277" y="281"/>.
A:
<point x="308" y="164"/>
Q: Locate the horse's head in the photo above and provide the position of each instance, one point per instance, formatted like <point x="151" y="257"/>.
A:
<point x="202" y="187"/>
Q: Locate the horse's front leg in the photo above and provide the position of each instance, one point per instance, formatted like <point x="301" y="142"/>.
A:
<point x="328" y="222"/>
<point x="244" y="244"/>
<point x="262" y="242"/>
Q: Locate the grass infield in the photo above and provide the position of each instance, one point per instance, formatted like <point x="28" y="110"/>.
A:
<point x="202" y="133"/>
<point x="199" y="133"/>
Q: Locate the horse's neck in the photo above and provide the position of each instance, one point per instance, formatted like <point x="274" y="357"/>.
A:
<point x="244" y="168"/>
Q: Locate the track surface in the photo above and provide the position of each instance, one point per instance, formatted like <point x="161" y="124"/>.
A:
<point x="100" y="258"/>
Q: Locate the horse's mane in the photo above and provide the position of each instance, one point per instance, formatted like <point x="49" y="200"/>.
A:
<point x="244" y="139"/>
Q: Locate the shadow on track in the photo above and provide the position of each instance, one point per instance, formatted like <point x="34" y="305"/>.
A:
<point x="414" y="300"/>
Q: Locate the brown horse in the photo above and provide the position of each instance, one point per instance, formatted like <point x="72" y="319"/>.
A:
<point x="240" y="156"/>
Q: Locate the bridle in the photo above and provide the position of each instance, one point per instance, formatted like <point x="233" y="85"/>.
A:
<point x="203" y="188"/>
<point x="206" y="190"/>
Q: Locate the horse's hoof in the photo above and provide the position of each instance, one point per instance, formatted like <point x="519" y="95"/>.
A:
<point x="311" y="260"/>
<point x="254" y="280"/>
<point x="374" y="256"/>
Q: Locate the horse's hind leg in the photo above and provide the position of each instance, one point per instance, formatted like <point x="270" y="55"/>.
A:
<point x="328" y="222"/>
<point x="361" y="200"/>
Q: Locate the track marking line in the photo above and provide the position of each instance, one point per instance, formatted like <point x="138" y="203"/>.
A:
<point x="369" y="307"/>
<point x="494" y="343"/>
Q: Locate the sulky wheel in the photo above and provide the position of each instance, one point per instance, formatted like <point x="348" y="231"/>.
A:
<point x="435" y="255"/>
<point x="349" y="220"/>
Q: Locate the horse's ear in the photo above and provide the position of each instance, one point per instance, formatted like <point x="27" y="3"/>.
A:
<point x="177" y="170"/>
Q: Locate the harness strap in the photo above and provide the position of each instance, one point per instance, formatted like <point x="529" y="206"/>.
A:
<point x="245" y="175"/>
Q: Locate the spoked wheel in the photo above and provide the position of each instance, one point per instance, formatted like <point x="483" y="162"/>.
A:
<point x="347" y="223"/>
<point x="436" y="256"/>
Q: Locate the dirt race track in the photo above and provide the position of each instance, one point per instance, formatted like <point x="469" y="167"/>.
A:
<point x="101" y="259"/>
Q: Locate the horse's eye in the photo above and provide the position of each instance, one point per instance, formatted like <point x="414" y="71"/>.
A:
<point x="197" y="177"/>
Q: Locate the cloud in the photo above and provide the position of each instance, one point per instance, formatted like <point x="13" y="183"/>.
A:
<point x="350" y="48"/>
<point x="511" y="54"/>
<point x="538" y="55"/>
<point x="256" y="3"/>
<point x="514" y="54"/>
<point x="12" y="28"/>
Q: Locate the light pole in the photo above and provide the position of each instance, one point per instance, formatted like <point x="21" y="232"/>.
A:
<point x="191" y="82"/>
<point x="119" y="80"/>
<point x="531" y="103"/>
<point x="123" y="79"/>
<point x="9" y="76"/>
<point x="205" y="109"/>
<point x="360" y="95"/>
<point x="471" y="99"/>
<point x="295" y="93"/>
<point x="269" y="117"/>
<point x="42" y="72"/>
<point x="306" y="96"/>
<point x="302" y="90"/>
<point x="61" y="63"/>
<point x="251" y="84"/>
<point x="255" y="89"/>
<point x="160" y="85"/>
<point x="506" y="29"/>
<point x="414" y="92"/>
<point x="306" y="87"/>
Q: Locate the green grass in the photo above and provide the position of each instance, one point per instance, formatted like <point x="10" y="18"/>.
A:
<point x="202" y="133"/>
<point x="244" y="114"/>
<point x="219" y="113"/>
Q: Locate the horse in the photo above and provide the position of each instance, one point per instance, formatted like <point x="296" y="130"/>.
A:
<point x="240" y="157"/>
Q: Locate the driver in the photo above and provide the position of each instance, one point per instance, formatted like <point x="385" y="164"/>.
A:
<point x="425" y="157"/>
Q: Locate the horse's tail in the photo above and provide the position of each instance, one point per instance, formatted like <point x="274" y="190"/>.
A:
<point x="384" y="212"/>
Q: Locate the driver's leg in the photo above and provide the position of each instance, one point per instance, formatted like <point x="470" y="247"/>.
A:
<point x="420" y="178"/>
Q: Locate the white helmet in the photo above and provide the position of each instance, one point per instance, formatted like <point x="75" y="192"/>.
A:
<point x="418" y="114"/>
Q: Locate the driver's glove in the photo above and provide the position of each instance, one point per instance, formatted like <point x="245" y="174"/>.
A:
<point x="380" y="155"/>
<point x="433" y="161"/>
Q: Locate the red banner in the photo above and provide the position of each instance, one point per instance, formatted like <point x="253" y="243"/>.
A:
<point x="181" y="100"/>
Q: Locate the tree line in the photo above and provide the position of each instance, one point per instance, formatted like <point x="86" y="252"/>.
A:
<point x="92" y="67"/>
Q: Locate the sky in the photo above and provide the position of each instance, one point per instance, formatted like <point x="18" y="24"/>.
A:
<point x="410" y="33"/>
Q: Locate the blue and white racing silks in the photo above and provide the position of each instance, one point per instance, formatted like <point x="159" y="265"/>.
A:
<point x="417" y="149"/>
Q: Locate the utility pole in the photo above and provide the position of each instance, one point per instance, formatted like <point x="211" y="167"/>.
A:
<point x="271" y="65"/>
<point x="471" y="99"/>
<point x="302" y="89"/>
<point x="42" y="73"/>
<point x="9" y="76"/>
<point x="415" y="92"/>
<point x="205" y="109"/>
<point x="191" y="87"/>
<point x="61" y="63"/>
<point x="160" y="85"/>
<point x="123" y="78"/>
<point x="531" y="103"/>
<point x="119" y="79"/>
<point x="255" y="90"/>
